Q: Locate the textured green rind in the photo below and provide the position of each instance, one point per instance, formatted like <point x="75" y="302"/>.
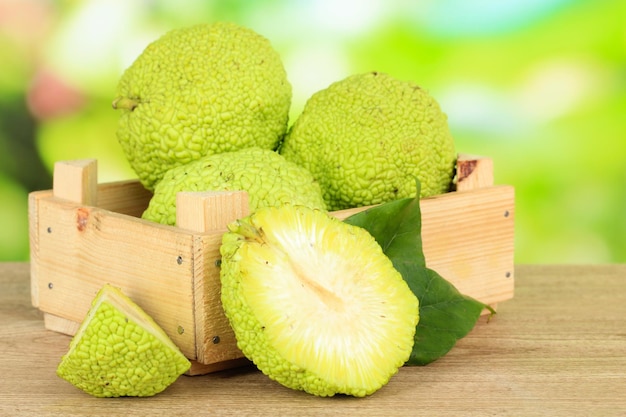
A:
<point x="251" y="334"/>
<point x="269" y="179"/>
<point x="201" y="90"/>
<point x="116" y="357"/>
<point x="365" y="138"/>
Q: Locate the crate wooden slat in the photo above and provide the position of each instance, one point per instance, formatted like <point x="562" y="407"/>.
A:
<point x="84" y="234"/>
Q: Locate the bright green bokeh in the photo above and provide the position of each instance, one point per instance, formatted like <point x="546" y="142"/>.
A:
<point x="538" y="85"/>
<point x="14" y="233"/>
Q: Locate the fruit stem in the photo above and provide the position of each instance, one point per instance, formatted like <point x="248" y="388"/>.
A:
<point x="247" y="230"/>
<point x="124" y="103"/>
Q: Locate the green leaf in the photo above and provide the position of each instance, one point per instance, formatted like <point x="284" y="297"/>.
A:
<point x="446" y="315"/>
<point x="397" y="227"/>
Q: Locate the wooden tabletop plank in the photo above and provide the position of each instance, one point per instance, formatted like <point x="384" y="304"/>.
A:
<point x="558" y="349"/>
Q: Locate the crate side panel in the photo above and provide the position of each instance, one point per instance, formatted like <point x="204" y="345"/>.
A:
<point x="468" y="238"/>
<point x="125" y="197"/>
<point x="82" y="248"/>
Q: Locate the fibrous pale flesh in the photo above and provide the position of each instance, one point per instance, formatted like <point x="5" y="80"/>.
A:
<point x="314" y="302"/>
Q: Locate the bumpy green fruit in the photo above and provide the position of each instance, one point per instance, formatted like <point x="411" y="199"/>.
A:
<point x="314" y="302"/>
<point x="120" y="351"/>
<point x="200" y="90"/>
<point x="268" y="178"/>
<point x="367" y="137"/>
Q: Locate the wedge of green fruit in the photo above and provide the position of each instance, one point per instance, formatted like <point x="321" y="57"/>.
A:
<point x="120" y="351"/>
<point x="314" y="302"/>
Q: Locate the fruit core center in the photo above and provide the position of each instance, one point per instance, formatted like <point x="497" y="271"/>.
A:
<point x="312" y="284"/>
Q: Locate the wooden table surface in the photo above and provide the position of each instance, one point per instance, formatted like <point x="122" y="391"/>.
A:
<point x="557" y="349"/>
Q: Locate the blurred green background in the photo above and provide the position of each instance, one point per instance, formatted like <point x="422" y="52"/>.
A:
<point x="538" y="85"/>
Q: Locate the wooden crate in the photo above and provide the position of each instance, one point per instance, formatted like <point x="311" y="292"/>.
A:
<point x="84" y="234"/>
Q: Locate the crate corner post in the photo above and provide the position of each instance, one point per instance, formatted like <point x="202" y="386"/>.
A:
<point x="74" y="181"/>
<point x="208" y="214"/>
